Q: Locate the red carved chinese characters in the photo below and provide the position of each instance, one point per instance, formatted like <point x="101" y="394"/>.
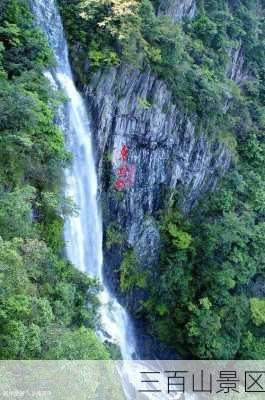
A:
<point x="124" y="152"/>
<point x="120" y="184"/>
<point x="125" y="172"/>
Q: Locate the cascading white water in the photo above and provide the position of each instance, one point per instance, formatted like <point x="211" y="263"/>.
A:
<point x="83" y="232"/>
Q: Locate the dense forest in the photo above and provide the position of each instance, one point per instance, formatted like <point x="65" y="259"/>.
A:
<point x="203" y="298"/>
<point x="48" y="308"/>
<point x="202" y="302"/>
<point x="211" y="259"/>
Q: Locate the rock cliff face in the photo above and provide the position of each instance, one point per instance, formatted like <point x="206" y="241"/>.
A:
<point x="132" y="108"/>
<point x="177" y="9"/>
<point x="136" y="109"/>
<point x="236" y="70"/>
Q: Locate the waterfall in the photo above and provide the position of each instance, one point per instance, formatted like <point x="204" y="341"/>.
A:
<point x="83" y="232"/>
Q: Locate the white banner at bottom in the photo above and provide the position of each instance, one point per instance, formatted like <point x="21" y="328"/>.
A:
<point x="132" y="380"/>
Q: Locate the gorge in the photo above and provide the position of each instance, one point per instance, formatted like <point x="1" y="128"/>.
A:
<point x="132" y="179"/>
<point x="83" y="233"/>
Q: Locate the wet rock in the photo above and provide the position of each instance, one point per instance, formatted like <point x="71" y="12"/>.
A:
<point x="177" y="9"/>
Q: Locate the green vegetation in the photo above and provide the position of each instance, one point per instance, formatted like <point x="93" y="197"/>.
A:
<point x="210" y="259"/>
<point x="202" y="297"/>
<point x="257" y="307"/>
<point x="43" y="301"/>
<point x="131" y="275"/>
<point x="204" y="278"/>
<point x="114" y="236"/>
<point x="143" y="103"/>
<point x="48" y="309"/>
<point x="192" y="57"/>
<point x="206" y="275"/>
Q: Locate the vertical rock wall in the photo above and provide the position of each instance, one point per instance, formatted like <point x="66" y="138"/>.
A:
<point x="136" y="109"/>
<point x="177" y="9"/>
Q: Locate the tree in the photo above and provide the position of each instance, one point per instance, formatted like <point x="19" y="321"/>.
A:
<point x="80" y="344"/>
<point x="257" y="307"/>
